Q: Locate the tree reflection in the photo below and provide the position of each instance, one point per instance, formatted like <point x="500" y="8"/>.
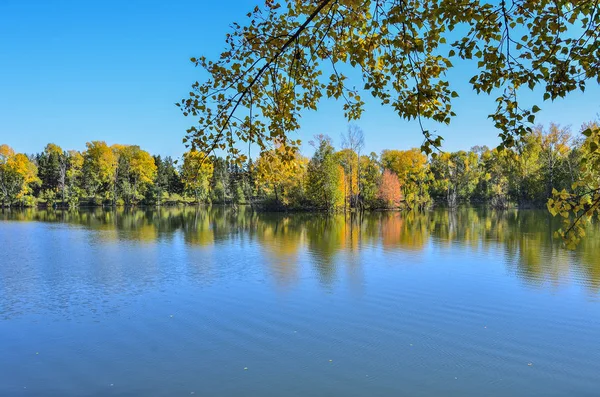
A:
<point x="523" y="238"/>
<point x="281" y="239"/>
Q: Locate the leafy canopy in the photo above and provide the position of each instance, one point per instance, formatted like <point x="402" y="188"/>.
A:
<point x="578" y="206"/>
<point x="292" y="53"/>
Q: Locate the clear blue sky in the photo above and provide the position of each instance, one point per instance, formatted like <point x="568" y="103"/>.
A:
<point x="75" y="71"/>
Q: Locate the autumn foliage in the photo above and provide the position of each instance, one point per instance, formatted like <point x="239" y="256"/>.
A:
<point x="389" y="190"/>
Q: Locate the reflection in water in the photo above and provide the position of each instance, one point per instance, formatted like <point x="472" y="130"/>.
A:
<point x="525" y="237"/>
<point x="176" y="301"/>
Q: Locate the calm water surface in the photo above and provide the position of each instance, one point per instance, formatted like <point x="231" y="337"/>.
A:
<point x="215" y="302"/>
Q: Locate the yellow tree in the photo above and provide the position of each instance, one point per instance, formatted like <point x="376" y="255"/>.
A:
<point x="353" y="142"/>
<point x="455" y="176"/>
<point x="555" y="149"/>
<point x="196" y="174"/>
<point x="348" y="159"/>
<point x="143" y="168"/>
<point x="119" y="172"/>
<point x="282" y="178"/>
<point x="343" y="186"/>
<point x="413" y="174"/>
<point x="135" y="172"/>
<point x="74" y="175"/>
<point x="526" y="183"/>
<point x="494" y="181"/>
<point x="17" y="175"/>
<point x="99" y="168"/>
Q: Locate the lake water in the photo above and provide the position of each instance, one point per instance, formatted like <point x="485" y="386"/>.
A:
<point x="215" y="302"/>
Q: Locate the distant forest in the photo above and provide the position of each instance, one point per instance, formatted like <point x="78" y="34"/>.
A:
<point x="333" y="179"/>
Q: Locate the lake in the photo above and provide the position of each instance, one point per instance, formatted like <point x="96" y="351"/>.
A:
<point x="217" y="302"/>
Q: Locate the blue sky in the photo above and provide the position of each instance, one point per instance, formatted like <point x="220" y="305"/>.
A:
<point x="75" y="71"/>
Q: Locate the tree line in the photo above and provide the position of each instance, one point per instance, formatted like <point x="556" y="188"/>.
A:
<point x="541" y="164"/>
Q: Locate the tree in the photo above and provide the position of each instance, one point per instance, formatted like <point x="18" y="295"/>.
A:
<point x="280" y="178"/>
<point x="100" y="165"/>
<point x="136" y="171"/>
<point x="172" y="177"/>
<point x="353" y="142"/>
<point x="348" y="159"/>
<point x="389" y="190"/>
<point x="238" y="195"/>
<point x="52" y="169"/>
<point x="236" y="182"/>
<point x="455" y="176"/>
<point x="493" y="182"/>
<point x="249" y="181"/>
<point x="17" y="175"/>
<point x="578" y="205"/>
<point x="220" y="179"/>
<point x="161" y="181"/>
<point x="370" y="176"/>
<point x="525" y="182"/>
<point x="325" y="177"/>
<point x="412" y="170"/>
<point x="119" y="183"/>
<point x="555" y="149"/>
<point x="196" y="175"/>
<point x="74" y="176"/>
<point x="167" y="180"/>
